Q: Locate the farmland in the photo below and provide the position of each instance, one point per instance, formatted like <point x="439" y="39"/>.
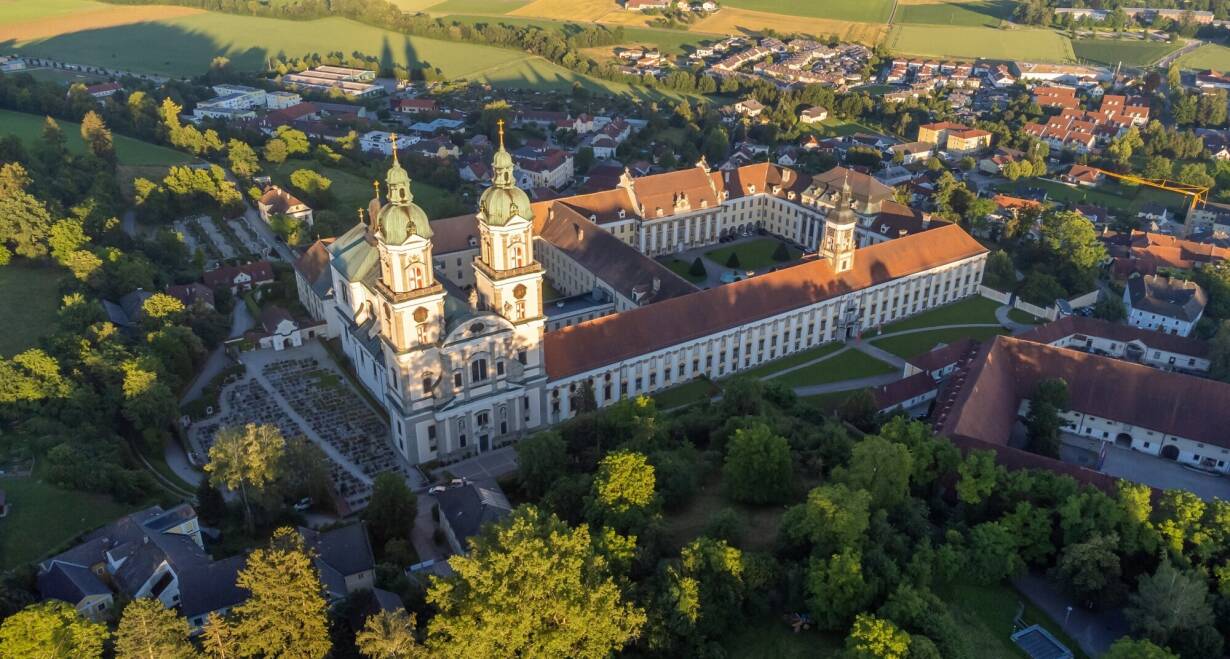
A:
<point x="23" y="20"/>
<point x="1110" y="52"/>
<point x="732" y="20"/>
<point x="129" y="151"/>
<point x="864" y="11"/>
<point x="1208" y="56"/>
<point x="976" y="42"/>
<point x="954" y="12"/>
<point x="475" y="7"/>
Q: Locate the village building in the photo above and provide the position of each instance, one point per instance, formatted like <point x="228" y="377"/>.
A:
<point x="1164" y="304"/>
<point x="277" y="201"/>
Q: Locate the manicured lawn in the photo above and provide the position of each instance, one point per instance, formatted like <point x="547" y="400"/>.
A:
<point x="956" y="12"/>
<point x="834" y="127"/>
<point x="801" y="357"/>
<point x="772" y="638"/>
<point x="63" y="77"/>
<point x="43" y="518"/>
<point x="830" y="401"/>
<point x="1024" y="317"/>
<point x="865" y="11"/>
<point x="1109" y="52"/>
<point x="753" y="255"/>
<point x="985" y="614"/>
<point x="353" y="191"/>
<point x="849" y="365"/>
<point x="686" y="394"/>
<point x="972" y="310"/>
<point x="908" y="345"/>
<point x="683" y="269"/>
<point x="980" y="42"/>
<point x="29" y="127"/>
<point x="32" y="293"/>
<point x="1112" y="196"/>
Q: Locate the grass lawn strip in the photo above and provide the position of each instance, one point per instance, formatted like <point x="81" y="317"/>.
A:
<point x="683" y="269"/>
<point x="917" y="343"/>
<point x="35" y="292"/>
<point x="971" y="310"/>
<point x="1024" y="317"/>
<point x="794" y="360"/>
<point x="848" y="365"/>
<point x="986" y="614"/>
<point x="44" y="518"/>
<point x="686" y="394"/>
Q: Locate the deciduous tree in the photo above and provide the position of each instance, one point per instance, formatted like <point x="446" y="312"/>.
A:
<point x="245" y="458"/>
<point x="390" y="514"/>
<point x="51" y="630"/>
<point x="877" y="638"/>
<point x="881" y="467"/>
<point x="758" y="467"/>
<point x="530" y="587"/>
<point x="389" y="635"/>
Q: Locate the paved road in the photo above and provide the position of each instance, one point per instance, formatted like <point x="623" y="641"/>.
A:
<point x="847" y="385"/>
<point x="879" y="353"/>
<point x="1192" y="44"/>
<point x="1001" y="314"/>
<point x="1095" y="631"/>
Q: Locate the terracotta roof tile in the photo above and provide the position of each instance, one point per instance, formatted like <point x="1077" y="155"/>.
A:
<point x="607" y="340"/>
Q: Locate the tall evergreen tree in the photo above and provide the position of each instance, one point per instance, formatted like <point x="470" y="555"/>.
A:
<point x="285" y="614"/>
<point x="149" y="630"/>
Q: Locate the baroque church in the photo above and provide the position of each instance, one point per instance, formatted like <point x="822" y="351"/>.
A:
<point x="444" y="320"/>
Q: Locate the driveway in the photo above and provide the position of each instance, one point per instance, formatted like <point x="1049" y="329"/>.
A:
<point x="485" y="466"/>
<point x="1095" y="631"/>
<point x="1144" y="468"/>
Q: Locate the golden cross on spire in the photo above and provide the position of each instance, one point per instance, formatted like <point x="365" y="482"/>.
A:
<point x="376" y="185"/>
<point x="500" y="123"/>
<point x="393" y="141"/>
<point x="360" y="216"/>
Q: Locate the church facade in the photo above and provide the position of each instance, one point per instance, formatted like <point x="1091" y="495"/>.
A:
<point x="444" y="320"/>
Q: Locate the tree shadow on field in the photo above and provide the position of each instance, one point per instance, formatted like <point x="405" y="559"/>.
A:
<point x="142" y="47"/>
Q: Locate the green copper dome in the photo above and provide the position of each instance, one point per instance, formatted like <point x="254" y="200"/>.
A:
<point x="398" y="222"/>
<point x="503" y="200"/>
<point x="401" y="217"/>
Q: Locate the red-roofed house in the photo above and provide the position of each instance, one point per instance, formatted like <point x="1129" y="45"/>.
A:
<point x="277" y="201"/>
<point x="239" y="278"/>
<point x="415" y="105"/>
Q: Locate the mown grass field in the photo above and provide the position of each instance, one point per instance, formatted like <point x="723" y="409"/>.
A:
<point x="865" y="11"/>
<point x="909" y="345"/>
<point x="980" y="42"/>
<point x="353" y="192"/>
<point x="43" y="518"/>
<point x="1208" y="56"/>
<point x="1110" y="52"/>
<point x="955" y="12"/>
<point x="29" y="127"/>
<point x="733" y="20"/>
<point x="33" y="292"/>
<point x="22" y="20"/>
<point x="849" y="365"/>
<point x="972" y="310"/>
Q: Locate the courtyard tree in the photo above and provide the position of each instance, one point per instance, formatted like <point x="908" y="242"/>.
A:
<point x="758" y="466"/>
<point x="149" y="630"/>
<point x="1043" y="422"/>
<point x="978" y="475"/>
<point x="246" y="458"/>
<point x="242" y="159"/>
<point x="732" y="261"/>
<point x="698" y="268"/>
<point x="51" y="630"/>
<point x="285" y="613"/>
<point x="1169" y="604"/>
<point x="389" y="635"/>
<point x="623" y="490"/>
<point x="530" y="586"/>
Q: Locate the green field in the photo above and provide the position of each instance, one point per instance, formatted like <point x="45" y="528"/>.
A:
<point x="29" y="128"/>
<point x="1111" y="196"/>
<point x="43" y="518"/>
<point x="13" y="11"/>
<point x="801" y="357"/>
<point x="185" y="45"/>
<point x="753" y="255"/>
<point x="353" y="192"/>
<point x="685" y="394"/>
<point x="864" y="11"/>
<point x="62" y="77"/>
<point x="476" y="6"/>
<point x="35" y="292"/>
<point x="909" y="345"/>
<point x="980" y="42"/>
<point x="668" y="41"/>
<point x="1208" y="56"/>
<point x="1110" y="52"/>
<point x="958" y="12"/>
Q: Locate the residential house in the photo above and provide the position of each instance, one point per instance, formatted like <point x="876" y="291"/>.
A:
<point x="543" y="168"/>
<point x="192" y="295"/>
<point x="813" y="115"/>
<point x="103" y="90"/>
<point x="1083" y="175"/>
<point x="749" y="108"/>
<point x="128" y="311"/>
<point x="1157" y="349"/>
<point x="415" y="105"/>
<point x="279" y="330"/>
<point x="381" y="142"/>
<point x="240" y="278"/>
<point x="466" y="509"/>
<point x="913" y="152"/>
<point x="1165" y="304"/>
<point x="277" y="201"/>
<point x="967" y="141"/>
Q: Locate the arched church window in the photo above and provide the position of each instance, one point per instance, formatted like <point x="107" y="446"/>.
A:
<point x="478" y="370"/>
<point x="417" y="275"/>
<point x="516" y="256"/>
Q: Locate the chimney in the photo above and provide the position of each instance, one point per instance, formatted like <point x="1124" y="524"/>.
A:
<point x="657" y="284"/>
<point x="902" y="233"/>
<point x="576" y="226"/>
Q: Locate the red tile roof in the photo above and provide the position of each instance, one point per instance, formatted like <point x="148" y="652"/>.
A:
<point x="607" y="340"/>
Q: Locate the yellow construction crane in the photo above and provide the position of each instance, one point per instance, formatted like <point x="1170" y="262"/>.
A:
<point x="1197" y="193"/>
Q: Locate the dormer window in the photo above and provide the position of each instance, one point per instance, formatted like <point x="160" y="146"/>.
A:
<point x="621" y="213"/>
